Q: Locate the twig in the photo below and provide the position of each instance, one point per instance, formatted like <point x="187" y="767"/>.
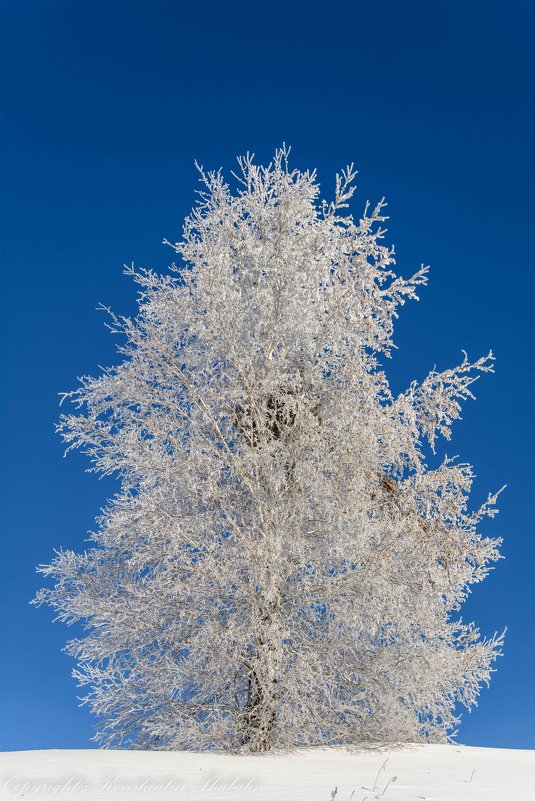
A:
<point x="372" y="789"/>
<point x="392" y="780"/>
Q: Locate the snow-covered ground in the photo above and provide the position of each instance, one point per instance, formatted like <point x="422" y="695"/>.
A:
<point x="430" y="772"/>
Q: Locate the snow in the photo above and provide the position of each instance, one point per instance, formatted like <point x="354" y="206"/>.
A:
<point x="429" y="772"/>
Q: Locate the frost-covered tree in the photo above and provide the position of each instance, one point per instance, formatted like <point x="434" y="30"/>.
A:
<point x="280" y="567"/>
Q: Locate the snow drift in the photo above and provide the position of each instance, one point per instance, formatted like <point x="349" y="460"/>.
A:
<point x="429" y="772"/>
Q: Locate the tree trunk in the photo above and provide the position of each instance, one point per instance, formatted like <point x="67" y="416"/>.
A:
<point x="262" y="668"/>
<point x="260" y="714"/>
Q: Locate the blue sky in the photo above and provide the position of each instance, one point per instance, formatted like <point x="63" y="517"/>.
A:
<point x="106" y="106"/>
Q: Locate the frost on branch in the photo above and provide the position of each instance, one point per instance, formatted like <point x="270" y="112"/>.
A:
<point x="434" y="404"/>
<point x="279" y="566"/>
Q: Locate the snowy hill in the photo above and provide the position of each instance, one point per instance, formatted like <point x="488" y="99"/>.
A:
<point x="429" y="772"/>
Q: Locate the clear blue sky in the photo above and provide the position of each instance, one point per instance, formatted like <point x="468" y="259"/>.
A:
<point x="106" y="106"/>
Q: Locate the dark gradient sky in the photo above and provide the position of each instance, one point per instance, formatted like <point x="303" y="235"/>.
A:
<point x="105" y="108"/>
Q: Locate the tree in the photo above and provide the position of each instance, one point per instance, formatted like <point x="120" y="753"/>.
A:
<point x="280" y="566"/>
